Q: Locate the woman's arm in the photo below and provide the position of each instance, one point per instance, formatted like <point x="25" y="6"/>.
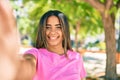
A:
<point x="27" y="68"/>
<point x="12" y="67"/>
<point x="8" y="42"/>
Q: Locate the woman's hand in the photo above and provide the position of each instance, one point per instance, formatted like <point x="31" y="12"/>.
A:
<point x="12" y="67"/>
<point x="9" y="42"/>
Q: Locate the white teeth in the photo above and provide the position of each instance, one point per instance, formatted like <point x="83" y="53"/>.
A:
<point x="52" y="38"/>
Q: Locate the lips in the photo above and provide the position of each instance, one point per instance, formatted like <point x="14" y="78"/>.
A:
<point x="53" y="37"/>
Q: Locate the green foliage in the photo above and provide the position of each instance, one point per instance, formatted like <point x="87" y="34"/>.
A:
<point x="76" y="11"/>
<point x="113" y="10"/>
<point x="116" y="1"/>
<point x="102" y="1"/>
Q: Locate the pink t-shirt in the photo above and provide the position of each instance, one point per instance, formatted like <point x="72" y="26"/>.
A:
<point x="51" y="66"/>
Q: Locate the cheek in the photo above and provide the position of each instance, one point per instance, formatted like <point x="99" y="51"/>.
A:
<point x="46" y="33"/>
<point x="62" y="37"/>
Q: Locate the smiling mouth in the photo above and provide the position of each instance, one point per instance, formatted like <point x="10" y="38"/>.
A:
<point x="53" y="38"/>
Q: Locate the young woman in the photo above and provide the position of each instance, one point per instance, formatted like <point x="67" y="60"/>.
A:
<point x="53" y="57"/>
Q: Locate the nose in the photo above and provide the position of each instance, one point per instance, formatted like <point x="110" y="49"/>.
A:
<point x="53" y="31"/>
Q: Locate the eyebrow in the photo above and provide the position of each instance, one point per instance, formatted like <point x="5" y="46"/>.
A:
<point x="55" y="24"/>
<point x="58" y="25"/>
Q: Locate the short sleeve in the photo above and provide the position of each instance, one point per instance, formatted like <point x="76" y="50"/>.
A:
<point x="33" y="51"/>
<point x="82" y="68"/>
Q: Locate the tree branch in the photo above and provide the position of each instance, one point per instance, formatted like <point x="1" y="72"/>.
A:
<point x="96" y="4"/>
<point x="109" y="3"/>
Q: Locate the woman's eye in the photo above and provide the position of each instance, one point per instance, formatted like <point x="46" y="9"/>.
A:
<point x="47" y="27"/>
<point x="56" y="28"/>
<point x="59" y="27"/>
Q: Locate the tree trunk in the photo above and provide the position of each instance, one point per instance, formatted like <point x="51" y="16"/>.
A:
<point x="110" y="41"/>
<point x="108" y="23"/>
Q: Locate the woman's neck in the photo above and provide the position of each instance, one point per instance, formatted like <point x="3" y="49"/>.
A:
<point x="57" y="50"/>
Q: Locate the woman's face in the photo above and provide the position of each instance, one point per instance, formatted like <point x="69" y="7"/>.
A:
<point x="53" y="32"/>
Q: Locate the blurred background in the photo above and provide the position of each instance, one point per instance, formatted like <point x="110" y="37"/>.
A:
<point x="86" y="27"/>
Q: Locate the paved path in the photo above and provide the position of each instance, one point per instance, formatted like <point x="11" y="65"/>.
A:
<point x="95" y="64"/>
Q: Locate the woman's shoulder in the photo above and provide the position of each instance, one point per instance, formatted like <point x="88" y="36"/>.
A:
<point x="33" y="50"/>
<point x="36" y="50"/>
<point x="73" y="54"/>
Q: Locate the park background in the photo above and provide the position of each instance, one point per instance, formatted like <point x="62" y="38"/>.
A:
<point x="94" y="27"/>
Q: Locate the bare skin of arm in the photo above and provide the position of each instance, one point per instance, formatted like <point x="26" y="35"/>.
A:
<point x="27" y="68"/>
<point x="11" y="65"/>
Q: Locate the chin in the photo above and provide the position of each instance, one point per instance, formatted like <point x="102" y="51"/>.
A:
<point x="54" y="44"/>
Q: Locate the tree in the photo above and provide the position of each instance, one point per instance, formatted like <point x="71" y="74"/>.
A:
<point x="80" y="24"/>
<point x="105" y="8"/>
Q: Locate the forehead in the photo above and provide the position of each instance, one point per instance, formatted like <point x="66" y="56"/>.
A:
<point x="53" y="19"/>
